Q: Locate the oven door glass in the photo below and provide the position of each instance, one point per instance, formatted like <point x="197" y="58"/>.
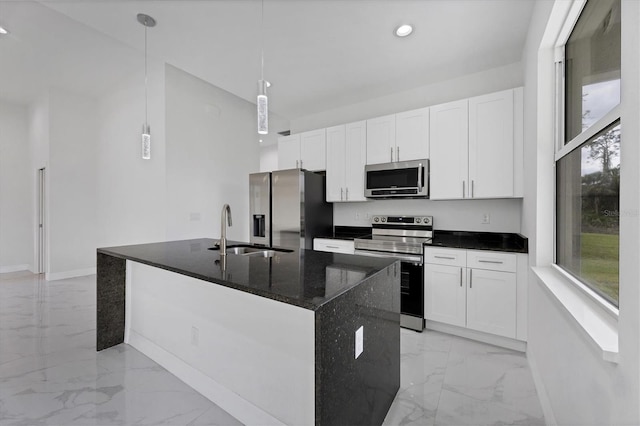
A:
<point x="411" y="289"/>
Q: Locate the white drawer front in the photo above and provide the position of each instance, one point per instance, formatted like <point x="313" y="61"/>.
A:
<point x="445" y="256"/>
<point x="333" y="246"/>
<point x="491" y="260"/>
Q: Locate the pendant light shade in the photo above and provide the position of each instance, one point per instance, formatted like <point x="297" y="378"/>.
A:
<point x="262" y="102"/>
<point x="263" y="108"/>
<point x="147" y="21"/>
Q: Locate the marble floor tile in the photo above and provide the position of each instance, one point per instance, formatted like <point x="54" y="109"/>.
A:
<point x="51" y="375"/>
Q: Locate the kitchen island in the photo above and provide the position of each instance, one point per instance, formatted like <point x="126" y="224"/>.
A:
<point x="301" y="337"/>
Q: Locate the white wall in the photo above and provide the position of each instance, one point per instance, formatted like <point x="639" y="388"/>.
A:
<point x="72" y="183"/>
<point x="492" y="80"/>
<point x="447" y="215"/>
<point x="39" y="158"/>
<point x="16" y="243"/>
<point x="579" y="386"/>
<point x="450" y="215"/>
<point x="131" y="191"/>
<point x="269" y="158"/>
<point x="212" y="146"/>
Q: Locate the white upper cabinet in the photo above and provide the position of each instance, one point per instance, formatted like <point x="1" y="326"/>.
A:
<point x="449" y="140"/>
<point x="346" y="153"/>
<point x="412" y="135"/>
<point x="356" y="154"/>
<point x="336" y="163"/>
<point x="313" y="150"/>
<point x="305" y="150"/>
<point x="476" y="147"/>
<point x="288" y="152"/>
<point x="381" y="139"/>
<point x="491" y="145"/>
<point x="398" y="137"/>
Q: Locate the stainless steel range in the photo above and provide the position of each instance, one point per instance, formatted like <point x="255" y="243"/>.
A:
<point x="402" y="237"/>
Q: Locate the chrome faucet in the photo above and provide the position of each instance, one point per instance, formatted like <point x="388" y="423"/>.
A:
<point x="226" y="214"/>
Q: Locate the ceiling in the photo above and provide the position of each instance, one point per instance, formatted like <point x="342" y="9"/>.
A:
<point x="318" y="54"/>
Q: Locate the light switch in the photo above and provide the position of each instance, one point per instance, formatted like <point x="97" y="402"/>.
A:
<point x="359" y="341"/>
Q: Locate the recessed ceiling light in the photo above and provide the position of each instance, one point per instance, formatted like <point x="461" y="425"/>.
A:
<point x="404" y="30"/>
<point x="3" y="30"/>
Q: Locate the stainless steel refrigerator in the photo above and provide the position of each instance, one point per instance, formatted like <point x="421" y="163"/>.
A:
<point x="287" y="208"/>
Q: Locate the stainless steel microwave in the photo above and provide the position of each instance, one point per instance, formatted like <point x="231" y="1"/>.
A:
<point x="402" y="179"/>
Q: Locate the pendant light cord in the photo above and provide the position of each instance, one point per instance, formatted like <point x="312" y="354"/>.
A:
<point x="146" y="90"/>
<point x="262" y="43"/>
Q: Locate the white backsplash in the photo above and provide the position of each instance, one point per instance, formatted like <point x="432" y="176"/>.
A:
<point x="459" y="215"/>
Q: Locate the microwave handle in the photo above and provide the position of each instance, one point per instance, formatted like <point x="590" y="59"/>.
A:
<point x="420" y="177"/>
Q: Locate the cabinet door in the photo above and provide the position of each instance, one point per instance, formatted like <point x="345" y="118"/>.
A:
<point x="491" y="145"/>
<point x="381" y="139"/>
<point x="445" y="294"/>
<point x="491" y="302"/>
<point x="448" y="139"/>
<point x="288" y="152"/>
<point x="412" y="135"/>
<point x="313" y="150"/>
<point x="336" y="163"/>
<point x="355" y="154"/>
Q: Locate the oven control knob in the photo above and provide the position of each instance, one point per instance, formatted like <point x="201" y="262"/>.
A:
<point x="384" y="219"/>
<point x="426" y="220"/>
<point x="376" y="219"/>
<point x="418" y="220"/>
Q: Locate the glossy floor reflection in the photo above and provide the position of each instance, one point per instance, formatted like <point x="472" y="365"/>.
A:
<point x="50" y="373"/>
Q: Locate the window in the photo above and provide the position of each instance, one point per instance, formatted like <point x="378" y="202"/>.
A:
<point x="588" y="159"/>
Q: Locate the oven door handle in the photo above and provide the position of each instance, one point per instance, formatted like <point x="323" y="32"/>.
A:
<point x="402" y="257"/>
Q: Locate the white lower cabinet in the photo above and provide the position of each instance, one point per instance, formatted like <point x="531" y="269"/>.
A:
<point x="472" y="289"/>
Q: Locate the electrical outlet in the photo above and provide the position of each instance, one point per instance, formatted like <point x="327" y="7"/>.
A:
<point x="195" y="336"/>
<point x="486" y="218"/>
<point x="359" y="341"/>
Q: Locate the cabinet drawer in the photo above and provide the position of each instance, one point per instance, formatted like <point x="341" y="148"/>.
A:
<point x="334" y="246"/>
<point x="445" y="256"/>
<point x="491" y="260"/>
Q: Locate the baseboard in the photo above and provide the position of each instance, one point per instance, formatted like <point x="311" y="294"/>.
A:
<point x="232" y="403"/>
<point x="54" y="276"/>
<point x="504" y="342"/>
<point x="14" y="268"/>
<point x="543" y="397"/>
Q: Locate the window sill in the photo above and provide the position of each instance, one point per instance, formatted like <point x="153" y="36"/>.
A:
<point x="597" y="323"/>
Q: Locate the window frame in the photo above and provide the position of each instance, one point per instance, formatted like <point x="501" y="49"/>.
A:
<point x="562" y="149"/>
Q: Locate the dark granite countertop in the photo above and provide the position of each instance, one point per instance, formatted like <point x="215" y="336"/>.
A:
<point x="348" y="232"/>
<point x="304" y="278"/>
<point x="496" y="241"/>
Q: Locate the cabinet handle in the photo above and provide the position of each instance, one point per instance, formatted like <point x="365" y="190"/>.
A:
<point x="333" y="247"/>
<point x="391" y="148"/>
<point x="491" y="261"/>
<point x="297" y="164"/>
<point x="300" y="163"/>
<point x="347" y="194"/>
<point x="462" y="189"/>
<point x="460" y="277"/>
<point x="341" y="191"/>
<point x="471" y="188"/>
<point x="397" y="153"/>
<point x="470" y="278"/>
<point x="444" y="257"/>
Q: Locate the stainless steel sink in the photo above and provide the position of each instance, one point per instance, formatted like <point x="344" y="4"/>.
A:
<point x="256" y="251"/>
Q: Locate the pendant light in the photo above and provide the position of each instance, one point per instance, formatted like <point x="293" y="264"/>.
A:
<point x="262" y="101"/>
<point x="147" y="21"/>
